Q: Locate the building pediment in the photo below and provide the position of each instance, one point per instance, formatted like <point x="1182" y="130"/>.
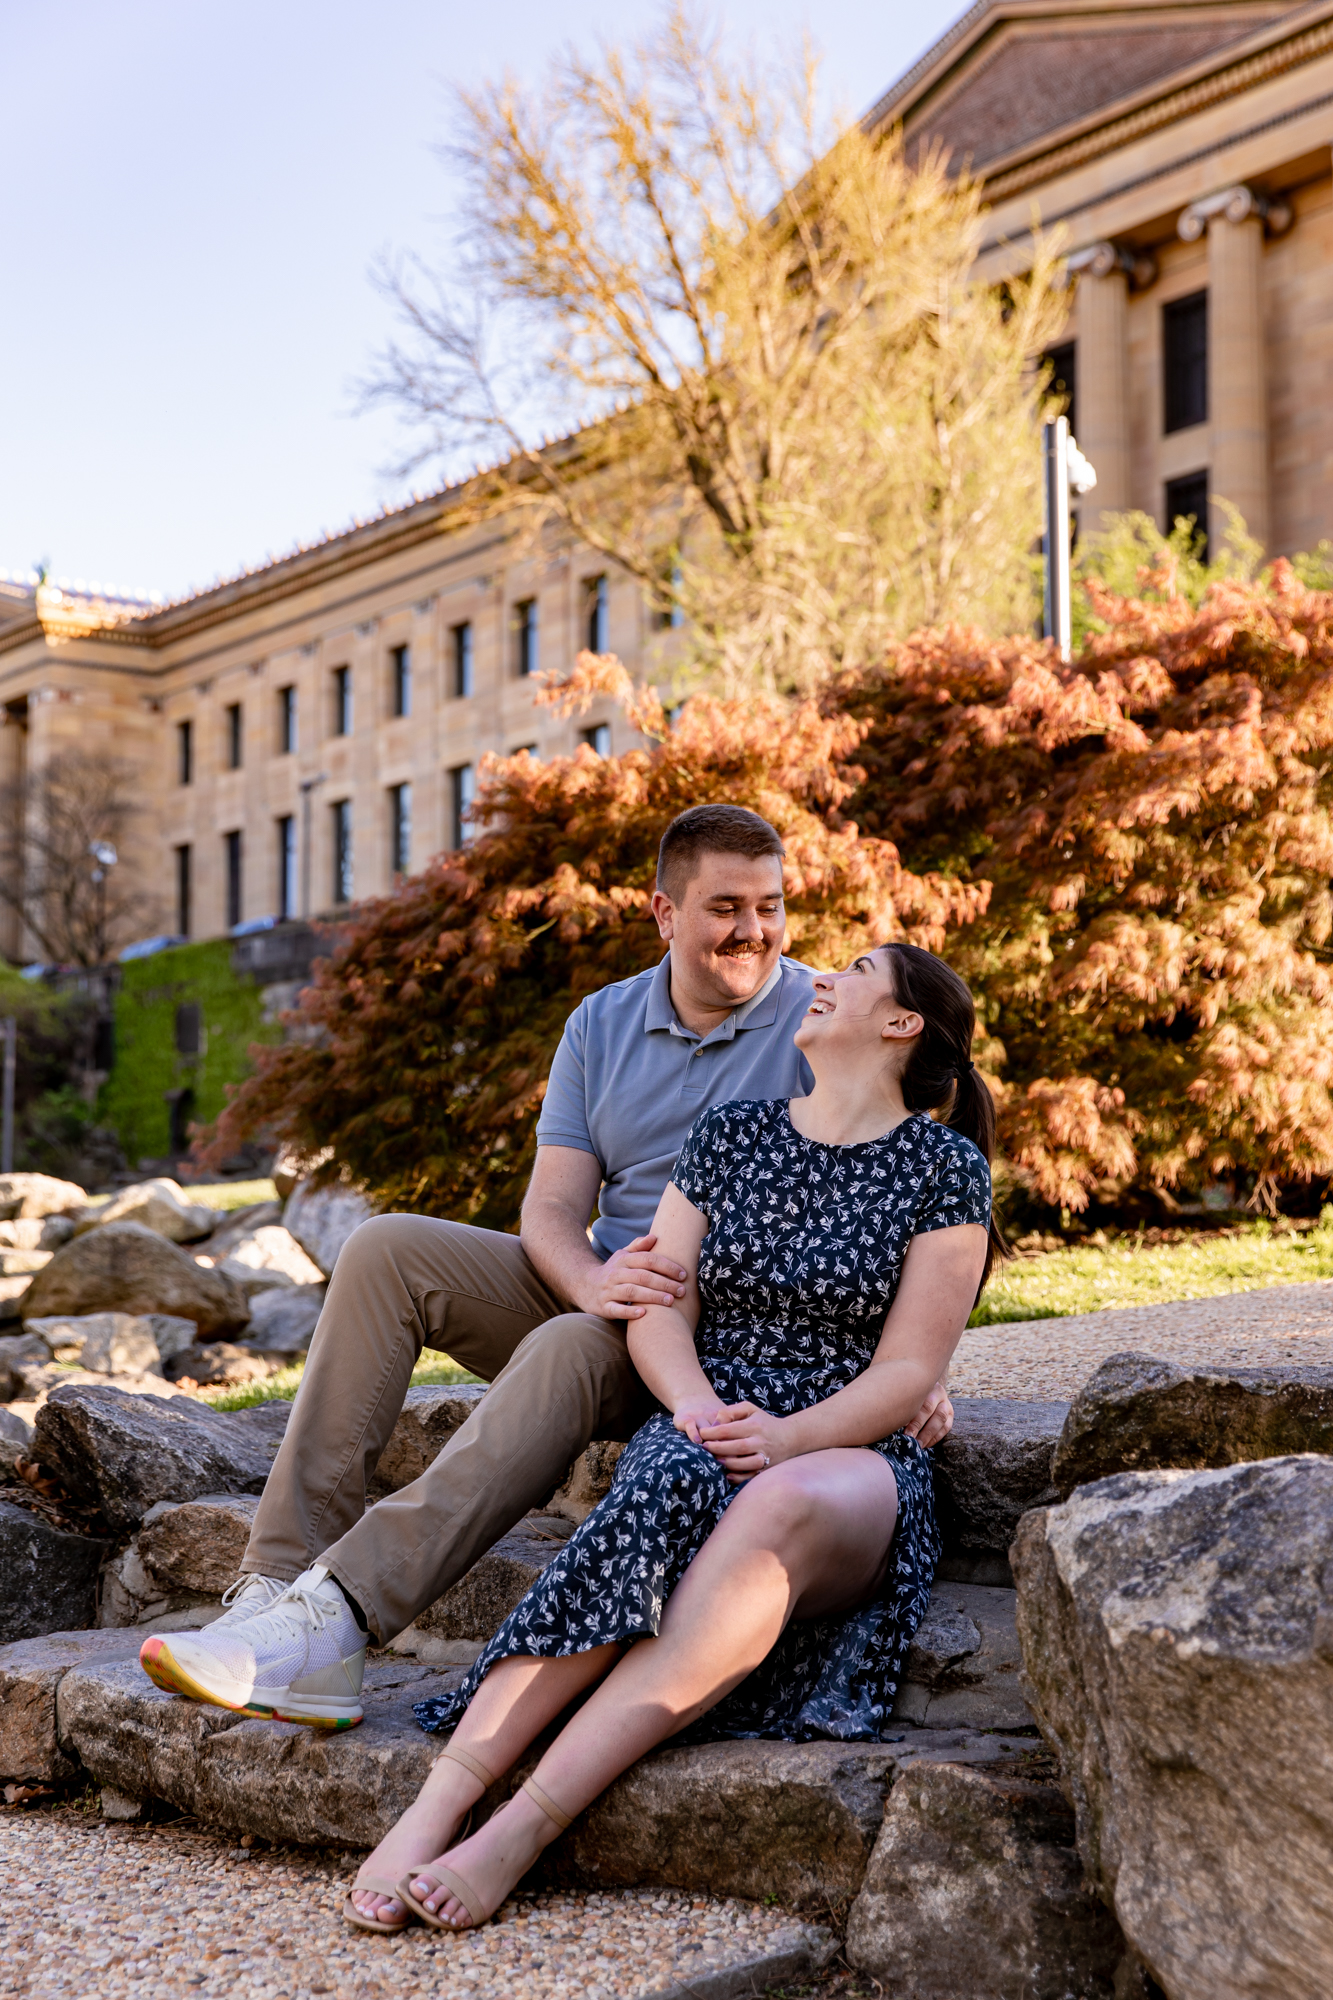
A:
<point x="1012" y="76"/>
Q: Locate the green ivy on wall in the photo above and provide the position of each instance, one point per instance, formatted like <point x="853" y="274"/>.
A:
<point x="147" y="1065"/>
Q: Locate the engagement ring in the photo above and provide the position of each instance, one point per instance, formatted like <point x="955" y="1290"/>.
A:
<point x="767" y="1460"/>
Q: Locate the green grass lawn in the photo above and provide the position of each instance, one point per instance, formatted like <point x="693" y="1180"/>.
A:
<point x="1155" y="1266"/>
<point x="432" y="1367"/>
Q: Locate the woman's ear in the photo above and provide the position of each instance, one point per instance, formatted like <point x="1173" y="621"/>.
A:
<point x="902" y="1027"/>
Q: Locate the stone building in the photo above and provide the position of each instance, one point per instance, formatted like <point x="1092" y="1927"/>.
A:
<point x="307" y="731"/>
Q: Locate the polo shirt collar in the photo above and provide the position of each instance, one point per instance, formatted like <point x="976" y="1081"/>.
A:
<point x="759" y="1011"/>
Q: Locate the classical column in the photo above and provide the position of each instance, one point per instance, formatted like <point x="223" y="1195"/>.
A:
<point x="1237" y="377"/>
<point x="1102" y="381"/>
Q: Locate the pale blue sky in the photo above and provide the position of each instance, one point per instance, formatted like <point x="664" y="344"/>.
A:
<point x="195" y="193"/>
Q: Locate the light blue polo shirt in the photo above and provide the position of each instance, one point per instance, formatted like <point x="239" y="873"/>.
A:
<point x="629" y="1080"/>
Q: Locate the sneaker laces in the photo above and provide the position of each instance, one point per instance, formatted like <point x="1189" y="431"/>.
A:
<point x="234" y="1593"/>
<point x="306" y="1605"/>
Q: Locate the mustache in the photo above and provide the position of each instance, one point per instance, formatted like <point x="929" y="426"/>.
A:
<point x="741" y="948"/>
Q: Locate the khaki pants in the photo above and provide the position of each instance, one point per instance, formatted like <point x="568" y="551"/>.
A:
<point x="404" y="1282"/>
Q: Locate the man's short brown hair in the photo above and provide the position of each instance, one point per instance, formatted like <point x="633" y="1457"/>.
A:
<point x="710" y="830"/>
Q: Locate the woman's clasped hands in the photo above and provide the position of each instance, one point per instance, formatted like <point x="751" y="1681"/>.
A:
<point x="744" y="1439"/>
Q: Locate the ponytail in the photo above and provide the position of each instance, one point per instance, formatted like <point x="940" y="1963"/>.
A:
<point x="940" y="1071"/>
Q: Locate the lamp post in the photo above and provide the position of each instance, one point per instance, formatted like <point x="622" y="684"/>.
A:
<point x="307" y="787"/>
<point x="1066" y="471"/>
<point x="105" y="857"/>
<point x="10" y="1031"/>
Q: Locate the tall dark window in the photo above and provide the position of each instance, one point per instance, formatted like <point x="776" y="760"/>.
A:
<point x="598" y="615"/>
<point x="400" y="829"/>
<point x="598" y="738"/>
<point x="1063" y="361"/>
<point x="235" y="899"/>
<point x="185" y="752"/>
<point x="1187" y="500"/>
<point x="1185" y="362"/>
<point x="525" y="629"/>
<point x="286" y="721"/>
<point x="184" y="892"/>
<point x="462" y="661"/>
<point x="342" y="701"/>
<point x="235" y="737"/>
<point x="463" y="789"/>
<point x="342" y="851"/>
<point x="401" y="659"/>
<point x="287" y="890"/>
<point x="189" y="1029"/>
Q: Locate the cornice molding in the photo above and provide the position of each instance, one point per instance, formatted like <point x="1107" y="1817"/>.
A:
<point x="1001" y="182"/>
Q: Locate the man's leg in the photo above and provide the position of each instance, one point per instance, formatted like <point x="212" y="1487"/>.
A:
<point x="571" y="1380"/>
<point x="402" y="1282"/>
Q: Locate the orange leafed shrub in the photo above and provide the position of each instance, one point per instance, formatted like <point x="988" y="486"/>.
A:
<point x="1153" y="824"/>
<point x="428" y="1034"/>
<point x="1128" y="858"/>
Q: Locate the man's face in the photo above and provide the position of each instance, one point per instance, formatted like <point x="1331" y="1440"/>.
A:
<point x="726" y="931"/>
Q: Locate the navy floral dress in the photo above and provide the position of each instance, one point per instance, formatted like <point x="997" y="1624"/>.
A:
<point x="801" y="1261"/>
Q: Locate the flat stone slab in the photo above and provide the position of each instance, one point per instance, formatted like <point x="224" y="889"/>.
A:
<point x="31" y="1670"/>
<point x="797" y="1821"/>
<point x="993" y="1468"/>
<point x="964" y="1667"/>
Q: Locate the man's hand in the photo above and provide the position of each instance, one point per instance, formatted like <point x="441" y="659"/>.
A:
<point x="934" y="1420"/>
<point x="632" y="1280"/>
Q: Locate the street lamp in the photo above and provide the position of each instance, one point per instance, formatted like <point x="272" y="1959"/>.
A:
<point x="307" y="787"/>
<point x="104" y="854"/>
<point x="1066" y="472"/>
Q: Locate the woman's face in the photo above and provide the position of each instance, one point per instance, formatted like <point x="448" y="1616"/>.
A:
<point x="855" y="1011"/>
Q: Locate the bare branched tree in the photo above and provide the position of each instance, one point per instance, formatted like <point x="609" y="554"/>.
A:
<point x="789" y="411"/>
<point x="59" y="827"/>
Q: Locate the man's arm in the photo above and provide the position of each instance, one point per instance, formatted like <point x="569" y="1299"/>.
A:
<point x="554" y="1232"/>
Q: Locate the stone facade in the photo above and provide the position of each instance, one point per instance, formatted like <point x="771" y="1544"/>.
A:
<point x="1181" y="147"/>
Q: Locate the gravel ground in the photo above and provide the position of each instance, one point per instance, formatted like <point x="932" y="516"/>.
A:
<point x="1054" y="1357"/>
<point x="92" y="1911"/>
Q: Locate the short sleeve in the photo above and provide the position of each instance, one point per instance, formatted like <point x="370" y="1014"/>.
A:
<point x="563" y="1120"/>
<point x="697" y="1169"/>
<point x="959" y="1189"/>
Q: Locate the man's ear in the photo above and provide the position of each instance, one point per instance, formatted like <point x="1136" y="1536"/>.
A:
<point x="664" y="910"/>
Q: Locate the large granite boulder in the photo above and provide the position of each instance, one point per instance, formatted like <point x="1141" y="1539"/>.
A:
<point x="123" y="1453"/>
<point x="48" y="1578"/>
<point x="268" y="1256"/>
<point x="234" y="1225"/>
<point x="1136" y="1413"/>
<point x="283" y="1318"/>
<point x="174" y="1571"/>
<point x="18" y="1353"/>
<point x="975" y="1891"/>
<point x="29" y="1195"/>
<point x="430" y="1416"/>
<point x="127" y="1268"/>
<point x="1177" y="1629"/>
<point x="322" y="1218"/>
<point x="588" y="1481"/>
<point x="15" y="1441"/>
<point x="964" y="1667"/>
<point x="91" y="1339"/>
<point x="992" y="1468"/>
<point x="159" y="1205"/>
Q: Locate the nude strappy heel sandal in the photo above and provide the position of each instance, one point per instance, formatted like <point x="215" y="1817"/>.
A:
<point x="461" y="1890"/>
<point x="379" y="1885"/>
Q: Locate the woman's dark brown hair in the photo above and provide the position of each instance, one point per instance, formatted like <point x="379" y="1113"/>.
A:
<point x="940" y="1070"/>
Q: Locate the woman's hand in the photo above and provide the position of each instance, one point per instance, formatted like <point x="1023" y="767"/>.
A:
<point x="696" y="1413"/>
<point x="746" y="1440"/>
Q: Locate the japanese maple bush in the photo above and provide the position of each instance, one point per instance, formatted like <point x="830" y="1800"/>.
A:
<point x="425" y="1039"/>
<point x="1151" y="827"/>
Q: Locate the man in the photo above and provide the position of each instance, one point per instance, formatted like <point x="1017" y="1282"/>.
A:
<point x="540" y="1315"/>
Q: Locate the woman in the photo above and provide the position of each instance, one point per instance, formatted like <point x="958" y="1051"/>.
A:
<point x="768" y="1545"/>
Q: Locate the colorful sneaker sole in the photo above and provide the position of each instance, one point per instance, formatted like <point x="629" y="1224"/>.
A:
<point x="166" y="1672"/>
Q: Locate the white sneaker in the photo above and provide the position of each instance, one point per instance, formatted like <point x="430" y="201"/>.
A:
<point x="301" y="1660"/>
<point x="248" y="1596"/>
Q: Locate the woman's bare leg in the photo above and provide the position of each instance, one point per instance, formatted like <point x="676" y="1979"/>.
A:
<point x="809" y="1538"/>
<point x="531" y="1694"/>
